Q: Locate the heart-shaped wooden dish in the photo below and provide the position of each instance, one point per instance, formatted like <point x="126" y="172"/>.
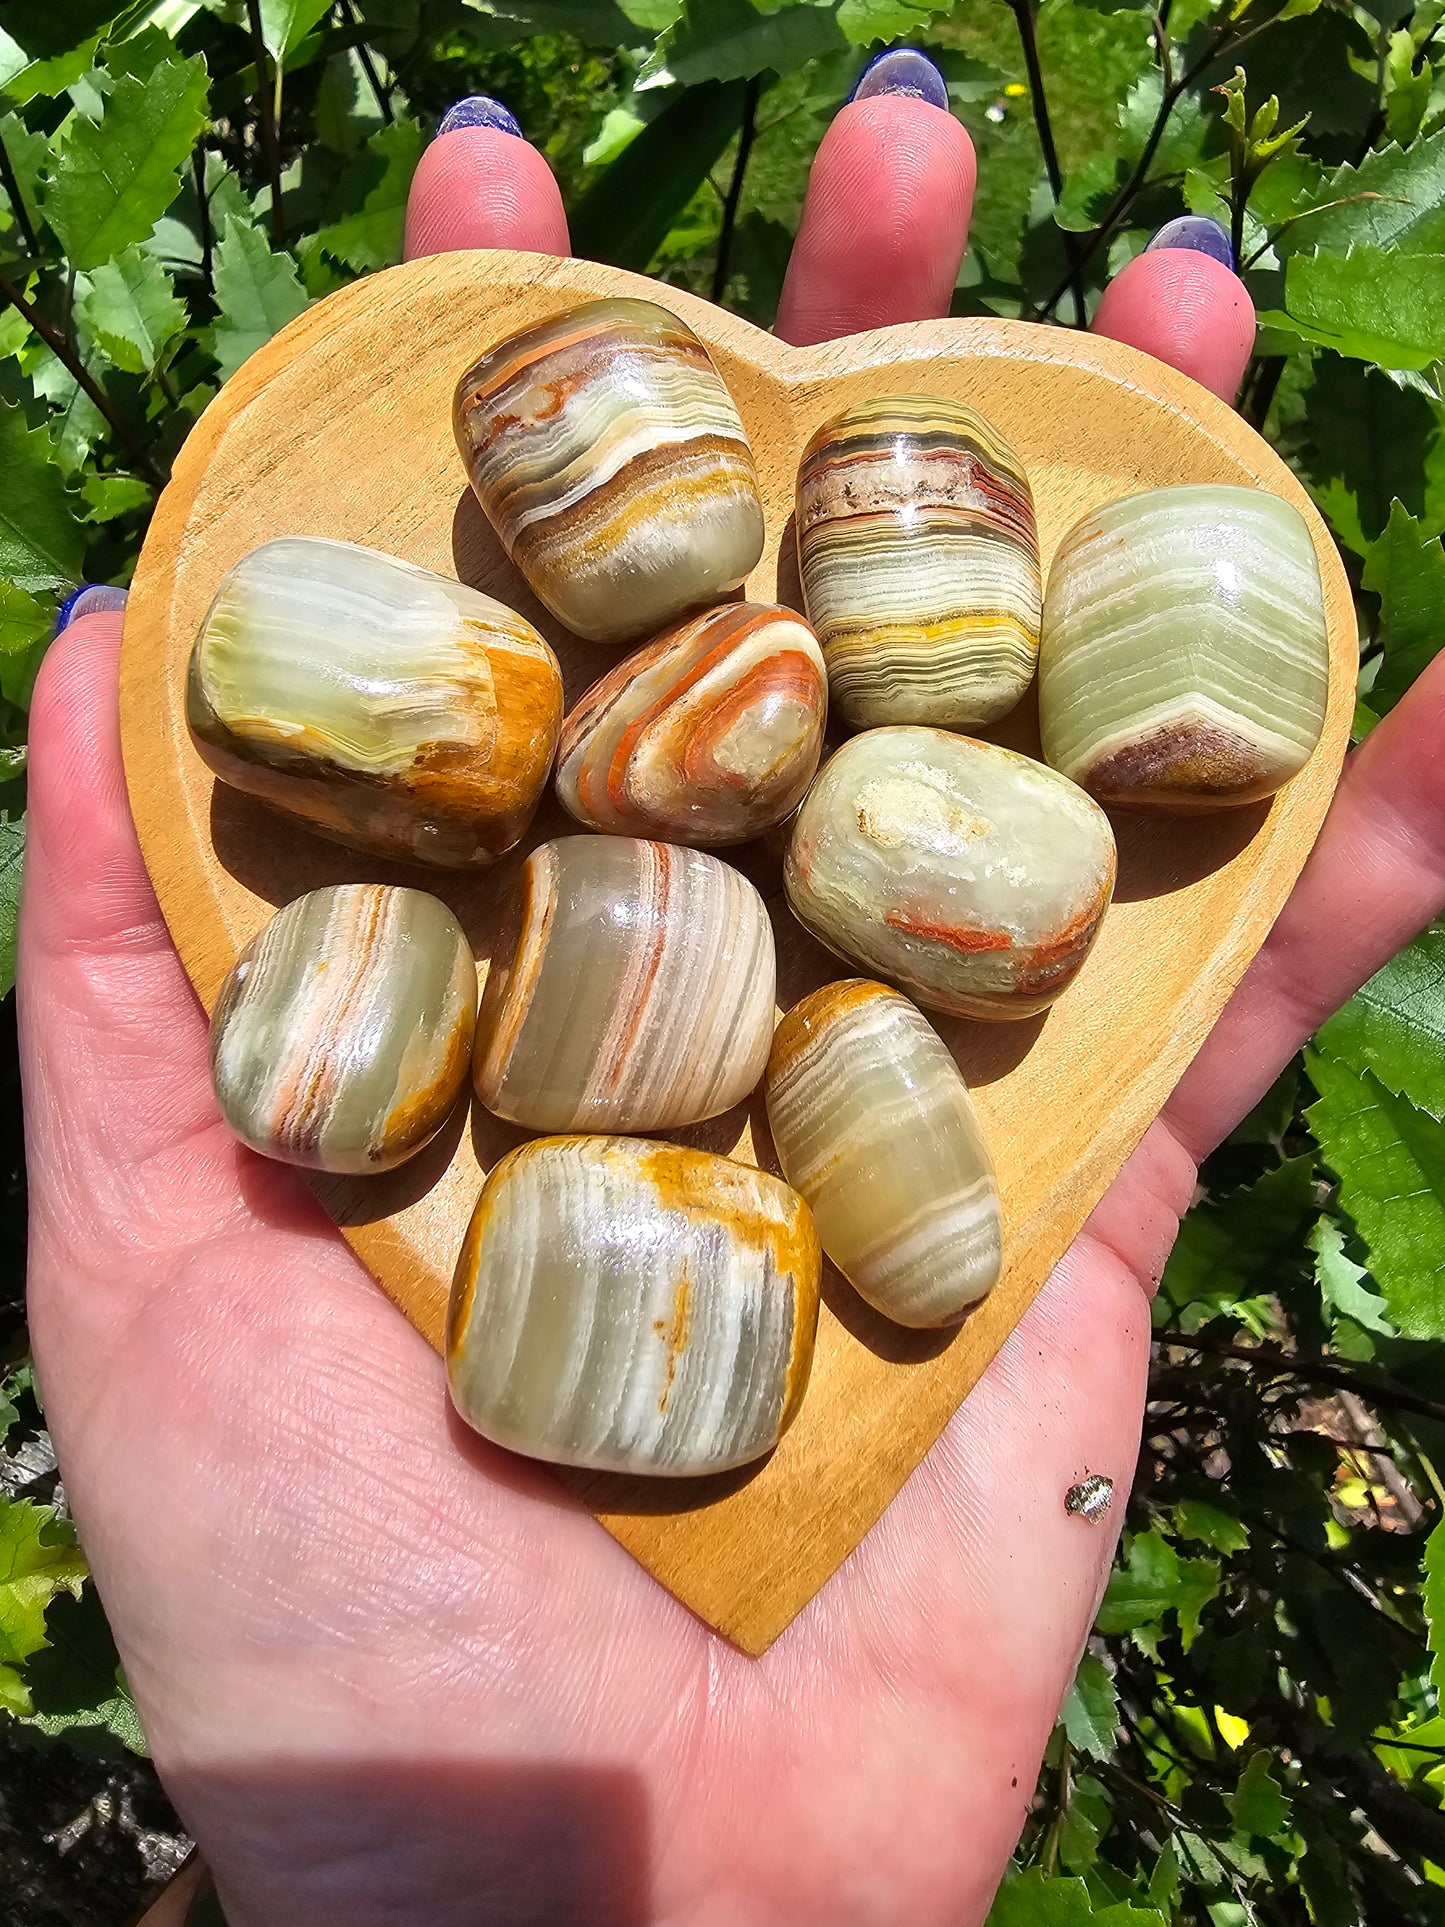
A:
<point x="341" y="427"/>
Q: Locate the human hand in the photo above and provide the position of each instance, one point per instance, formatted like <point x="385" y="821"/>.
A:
<point x="390" y="1673"/>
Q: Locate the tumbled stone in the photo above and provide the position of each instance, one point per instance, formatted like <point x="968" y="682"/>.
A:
<point x="341" y="1038"/>
<point x="708" y="736"/>
<point x="1185" y="659"/>
<point x="875" y="1129"/>
<point x="920" y="563"/>
<point x="386" y="707"/>
<point x="631" y="989"/>
<point x="629" y="1306"/>
<point x="610" y="459"/>
<point x="970" y="876"/>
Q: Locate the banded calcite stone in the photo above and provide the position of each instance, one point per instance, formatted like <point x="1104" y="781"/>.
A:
<point x="708" y="736"/>
<point x="920" y="563"/>
<point x="610" y="459"/>
<point x="631" y="989"/>
<point x="875" y="1128"/>
<point x="972" y="877"/>
<point x="1185" y="657"/>
<point x="341" y="1038"/>
<point x="388" y="708"/>
<point x="630" y="1306"/>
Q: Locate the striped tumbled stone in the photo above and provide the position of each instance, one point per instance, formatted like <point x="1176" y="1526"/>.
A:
<point x="340" y="1039"/>
<point x="629" y="1306"/>
<point x="920" y="563"/>
<point x="874" y="1126"/>
<point x="972" y="877"/>
<point x="631" y="989"/>
<point x="707" y="736"/>
<point x="1185" y="657"/>
<point x="610" y="459"/>
<point x="388" y="708"/>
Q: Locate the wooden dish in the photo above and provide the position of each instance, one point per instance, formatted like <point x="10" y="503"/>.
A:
<point x="341" y="427"/>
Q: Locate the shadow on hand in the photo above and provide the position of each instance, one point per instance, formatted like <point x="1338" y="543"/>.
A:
<point x="459" y="1843"/>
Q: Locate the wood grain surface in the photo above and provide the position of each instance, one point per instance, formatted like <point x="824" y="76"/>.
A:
<point x="341" y="427"/>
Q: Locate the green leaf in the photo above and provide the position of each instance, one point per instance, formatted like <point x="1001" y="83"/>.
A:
<point x="38" y="1559"/>
<point x="1390" y="1160"/>
<point x="115" y="178"/>
<point x="1090" y="1712"/>
<point x="45" y="45"/>
<point x="39" y="540"/>
<point x="378" y="182"/>
<point x="75" y="1684"/>
<point x="12" y="858"/>
<point x="1153" y="1582"/>
<point x="1407" y="571"/>
<point x="107" y="496"/>
<point x="627" y="212"/>
<point x="1408" y="215"/>
<point x="257" y="291"/>
<point x="1433" y="1600"/>
<point x="1258" y="1802"/>
<point x="733" y="40"/>
<point x="1338" y="1277"/>
<point x="1210" y="1525"/>
<point x="1368" y="443"/>
<point x="25" y="624"/>
<point x="1037" y="1899"/>
<point x="1407" y="92"/>
<point x="1372" y="304"/>
<point x="286" y="23"/>
<point x="1394" y="1026"/>
<point x="1225" y="1259"/>
<point x="865" y="22"/>
<point x="132" y="311"/>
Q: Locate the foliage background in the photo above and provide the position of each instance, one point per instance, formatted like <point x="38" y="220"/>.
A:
<point x="1256" y="1734"/>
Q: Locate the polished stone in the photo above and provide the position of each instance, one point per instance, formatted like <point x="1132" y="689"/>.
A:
<point x="920" y="563"/>
<point x="631" y="990"/>
<point x="972" y="877"/>
<point x="629" y="1306"/>
<point x="875" y="1129"/>
<point x="341" y="1038"/>
<point x="388" y="708"/>
<point x="609" y="457"/>
<point x="1185" y="659"/>
<point x="708" y="736"/>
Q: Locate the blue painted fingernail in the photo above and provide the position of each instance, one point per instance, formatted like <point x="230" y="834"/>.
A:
<point x="89" y="599"/>
<point x="1195" y="231"/>
<point x="478" y="110"/>
<point x="902" y="70"/>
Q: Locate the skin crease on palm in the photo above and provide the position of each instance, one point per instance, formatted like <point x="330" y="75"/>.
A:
<point x="392" y="1675"/>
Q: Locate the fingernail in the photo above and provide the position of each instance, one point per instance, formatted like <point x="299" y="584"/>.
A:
<point x="1195" y="231"/>
<point x="902" y="70"/>
<point x="89" y="599"/>
<point x="478" y="110"/>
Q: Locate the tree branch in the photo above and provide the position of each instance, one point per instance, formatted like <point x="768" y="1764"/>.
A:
<point x="1322" y="1371"/>
<point x="17" y="200"/>
<point x="1028" y="38"/>
<point x="267" y="117"/>
<point x="746" y="135"/>
<point x="64" y="353"/>
<point x="368" y="65"/>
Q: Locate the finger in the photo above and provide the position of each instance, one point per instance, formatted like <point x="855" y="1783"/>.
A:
<point x="1184" y="305"/>
<point x="886" y="215"/>
<point x="480" y="185"/>
<point x="1374" y="879"/>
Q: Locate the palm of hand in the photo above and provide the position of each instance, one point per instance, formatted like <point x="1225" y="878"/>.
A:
<point x="386" y="1670"/>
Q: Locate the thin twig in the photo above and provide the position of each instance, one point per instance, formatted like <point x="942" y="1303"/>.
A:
<point x="64" y="353"/>
<point x="17" y="200"/>
<point x="746" y="134"/>
<point x="368" y="65"/>
<point x="203" y="202"/>
<point x="1024" y="19"/>
<point x="267" y="116"/>
<point x="1220" y="48"/>
<point x="1313" y="1370"/>
<point x="1267" y="373"/>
